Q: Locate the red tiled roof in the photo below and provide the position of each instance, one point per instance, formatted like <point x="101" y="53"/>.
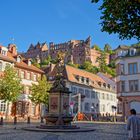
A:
<point x="23" y="65"/>
<point x="73" y="72"/>
<point x="7" y="58"/>
<point x="12" y="58"/>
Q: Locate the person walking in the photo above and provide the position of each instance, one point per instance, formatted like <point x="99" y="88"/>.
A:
<point x="133" y="126"/>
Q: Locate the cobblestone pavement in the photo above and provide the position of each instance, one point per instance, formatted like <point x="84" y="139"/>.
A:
<point x="103" y="132"/>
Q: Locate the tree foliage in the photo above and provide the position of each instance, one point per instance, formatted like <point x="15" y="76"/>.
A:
<point x="107" y="48"/>
<point x="40" y="91"/>
<point x="96" y="47"/>
<point x="10" y="85"/>
<point x="89" y="67"/>
<point x="136" y="45"/>
<point x="45" y="61"/>
<point x="102" y="62"/>
<point x="34" y="62"/>
<point x="122" y="17"/>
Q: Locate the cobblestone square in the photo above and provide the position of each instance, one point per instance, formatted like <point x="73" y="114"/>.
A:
<point x="103" y="131"/>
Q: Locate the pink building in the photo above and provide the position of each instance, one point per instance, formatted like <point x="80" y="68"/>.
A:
<point x="128" y="79"/>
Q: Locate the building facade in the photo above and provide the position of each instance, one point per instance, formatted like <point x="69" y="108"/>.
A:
<point x="28" y="74"/>
<point x="128" y="78"/>
<point x="96" y="95"/>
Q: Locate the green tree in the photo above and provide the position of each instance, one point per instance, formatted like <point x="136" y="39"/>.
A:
<point x="40" y="92"/>
<point x="10" y="86"/>
<point x="73" y="65"/>
<point x="136" y="45"/>
<point x="96" y="47"/>
<point x="112" y="64"/>
<point x="122" y="17"/>
<point x="89" y="67"/>
<point x="107" y="48"/>
<point x="34" y="62"/>
<point x="111" y="71"/>
<point x="102" y="62"/>
<point x="46" y="61"/>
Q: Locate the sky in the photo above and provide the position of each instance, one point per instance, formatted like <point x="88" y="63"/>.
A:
<point x="28" y="21"/>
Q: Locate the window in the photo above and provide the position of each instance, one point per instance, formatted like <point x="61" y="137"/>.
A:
<point x="29" y="62"/>
<point x="103" y="108"/>
<point x="103" y="96"/>
<point x="132" y="68"/>
<point x="3" y="52"/>
<point x="28" y="75"/>
<point x="87" y="93"/>
<point x="93" y="94"/>
<point x="111" y="97"/>
<point x="82" y="79"/>
<point x="18" y="59"/>
<point x="122" y="86"/>
<point x="121" y="68"/>
<point x="107" y="96"/>
<point x="99" y="83"/>
<point x="87" y="107"/>
<point x="35" y="77"/>
<point x="0" y="66"/>
<point x="104" y="84"/>
<point x="133" y="85"/>
<point x="74" y="89"/>
<point x="98" y="95"/>
<point x="87" y="80"/>
<point x="132" y="52"/>
<point x="22" y="74"/>
<point x="2" y="106"/>
<point x="77" y="77"/>
<point x="81" y="91"/>
<point x="108" y="86"/>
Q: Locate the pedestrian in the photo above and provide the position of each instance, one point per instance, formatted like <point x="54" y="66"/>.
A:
<point x="133" y="126"/>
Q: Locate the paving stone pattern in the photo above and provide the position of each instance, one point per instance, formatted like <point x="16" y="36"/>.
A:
<point x="102" y="132"/>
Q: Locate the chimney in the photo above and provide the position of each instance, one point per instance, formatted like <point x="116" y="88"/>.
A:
<point x="12" y="48"/>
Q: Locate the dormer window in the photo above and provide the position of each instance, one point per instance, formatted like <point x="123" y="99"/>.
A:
<point x="77" y="77"/>
<point x="122" y="52"/>
<point x="132" y="52"/>
<point x="18" y="59"/>
<point x="29" y="62"/>
<point x="82" y="79"/>
<point x="108" y="86"/>
<point x="3" y="52"/>
<point x="99" y="83"/>
<point x="87" y="80"/>
<point x="104" y="84"/>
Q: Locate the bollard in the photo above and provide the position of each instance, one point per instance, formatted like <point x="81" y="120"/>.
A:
<point x="1" y="121"/>
<point x="28" y="120"/>
<point x="42" y="121"/>
<point x="15" y="120"/>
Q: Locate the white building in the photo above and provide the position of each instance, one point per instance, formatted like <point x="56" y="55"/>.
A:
<point x="100" y="96"/>
<point x="28" y="74"/>
<point x="128" y="78"/>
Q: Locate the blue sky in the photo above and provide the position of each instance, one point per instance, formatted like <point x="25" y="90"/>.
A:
<point x="30" y="21"/>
